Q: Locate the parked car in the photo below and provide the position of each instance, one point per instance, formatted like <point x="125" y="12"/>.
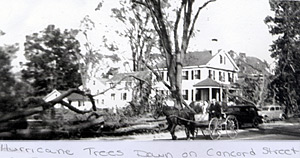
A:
<point x="245" y="114"/>
<point x="272" y="112"/>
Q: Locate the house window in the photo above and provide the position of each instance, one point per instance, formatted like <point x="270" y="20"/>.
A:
<point x="224" y="60"/>
<point x="211" y="74"/>
<point x="192" y="75"/>
<point x="123" y="96"/>
<point x="221" y="59"/>
<point x="185" y="94"/>
<point x="197" y="74"/>
<point x="220" y="76"/>
<point x="102" y="101"/>
<point x="185" y="75"/>
<point x="223" y="77"/>
<point x="113" y="96"/>
<point x="162" y="75"/>
<point x="94" y="82"/>
<point x="230" y="77"/>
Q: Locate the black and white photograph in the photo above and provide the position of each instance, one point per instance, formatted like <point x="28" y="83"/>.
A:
<point x="150" y="70"/>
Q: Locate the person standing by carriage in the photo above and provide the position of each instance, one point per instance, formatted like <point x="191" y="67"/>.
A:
<point x="214" y="110"/>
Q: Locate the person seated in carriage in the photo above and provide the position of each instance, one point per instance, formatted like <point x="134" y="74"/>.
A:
<point x="215" y="110"/>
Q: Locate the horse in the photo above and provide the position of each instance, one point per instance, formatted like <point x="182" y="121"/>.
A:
<point x="176" y="117"/>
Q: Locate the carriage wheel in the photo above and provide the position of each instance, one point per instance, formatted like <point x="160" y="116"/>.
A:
<point x="232" y="126"/>
<point x="214" y="129"/>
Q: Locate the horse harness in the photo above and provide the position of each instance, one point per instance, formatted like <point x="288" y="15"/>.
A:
<point x="181" y="118"/>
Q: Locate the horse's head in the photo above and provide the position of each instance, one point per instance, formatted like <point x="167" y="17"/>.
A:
<point x="196" y="106"/>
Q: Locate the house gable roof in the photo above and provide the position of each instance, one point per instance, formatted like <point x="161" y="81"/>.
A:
<point x="51" y="94"/>
<point x="208" y="82"/>
<point x="75" y="96"/>
<point x="215" y="61"/>
<point x="195" y="58"/>
<point x="120" y="76"/>
<point x="129" y="76"/>
<point x="232" y="62"/>
<point x="254" y="65"/>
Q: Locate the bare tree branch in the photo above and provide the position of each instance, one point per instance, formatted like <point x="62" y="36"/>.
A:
<point x="111" y="87"/>
<point x="242" y="98"/>
<point x="38" y="105"/>
<point x="73" y="108"/>
<point x="157" y="75"/>
<point x="178" y="16"/>
<point x="140" y="2"/>
<point x="69" y="92"/>
<point x="196" y="17"/>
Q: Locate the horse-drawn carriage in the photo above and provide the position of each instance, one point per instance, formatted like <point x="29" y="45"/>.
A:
<point x="213" y="127"/>
<point x="216" y="126"/>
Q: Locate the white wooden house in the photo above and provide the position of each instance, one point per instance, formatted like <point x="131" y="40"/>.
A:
<point x="115" y="92"/>
<point x="97" y="86"/>
<point x="52" y="95"/>
<point x="205" y="76"/>
<point x="76" y="100"/>
<point x="121" y="88"/>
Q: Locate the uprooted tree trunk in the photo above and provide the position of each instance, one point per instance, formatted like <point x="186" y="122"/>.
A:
<point x="37" y="106"/>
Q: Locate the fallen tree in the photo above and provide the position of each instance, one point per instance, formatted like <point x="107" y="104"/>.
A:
<point x="16" y="120"/>
<point x="141" y="125"/>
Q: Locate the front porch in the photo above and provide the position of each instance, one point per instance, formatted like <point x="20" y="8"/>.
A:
<point x="208" y="94"/>
<point x="207" y="90"/>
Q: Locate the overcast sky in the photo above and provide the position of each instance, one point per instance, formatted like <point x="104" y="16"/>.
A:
<point x="237" y="24"/>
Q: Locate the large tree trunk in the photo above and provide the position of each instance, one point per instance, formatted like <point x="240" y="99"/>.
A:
<point x="83" y="125"/>
<point x="174" y="56"/>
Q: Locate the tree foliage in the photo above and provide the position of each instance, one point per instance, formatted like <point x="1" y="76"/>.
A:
<point x="52" y="64"/>
<point x="143" y="40"/>
<point x="52" y="61"/>
<point x="12" y="91"/>
<point x="285" y="49"/>
<point x="138" y="30"/>
<point x="254" y="78"/>
<point x="6" y="77"/>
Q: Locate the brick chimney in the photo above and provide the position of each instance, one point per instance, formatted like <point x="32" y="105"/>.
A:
<point x="214" y="46"/>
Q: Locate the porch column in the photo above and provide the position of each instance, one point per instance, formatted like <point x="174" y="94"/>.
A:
<point x="210" y="94"/>
<point x="221" y="94"/>
<point x="194" y="94"/>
